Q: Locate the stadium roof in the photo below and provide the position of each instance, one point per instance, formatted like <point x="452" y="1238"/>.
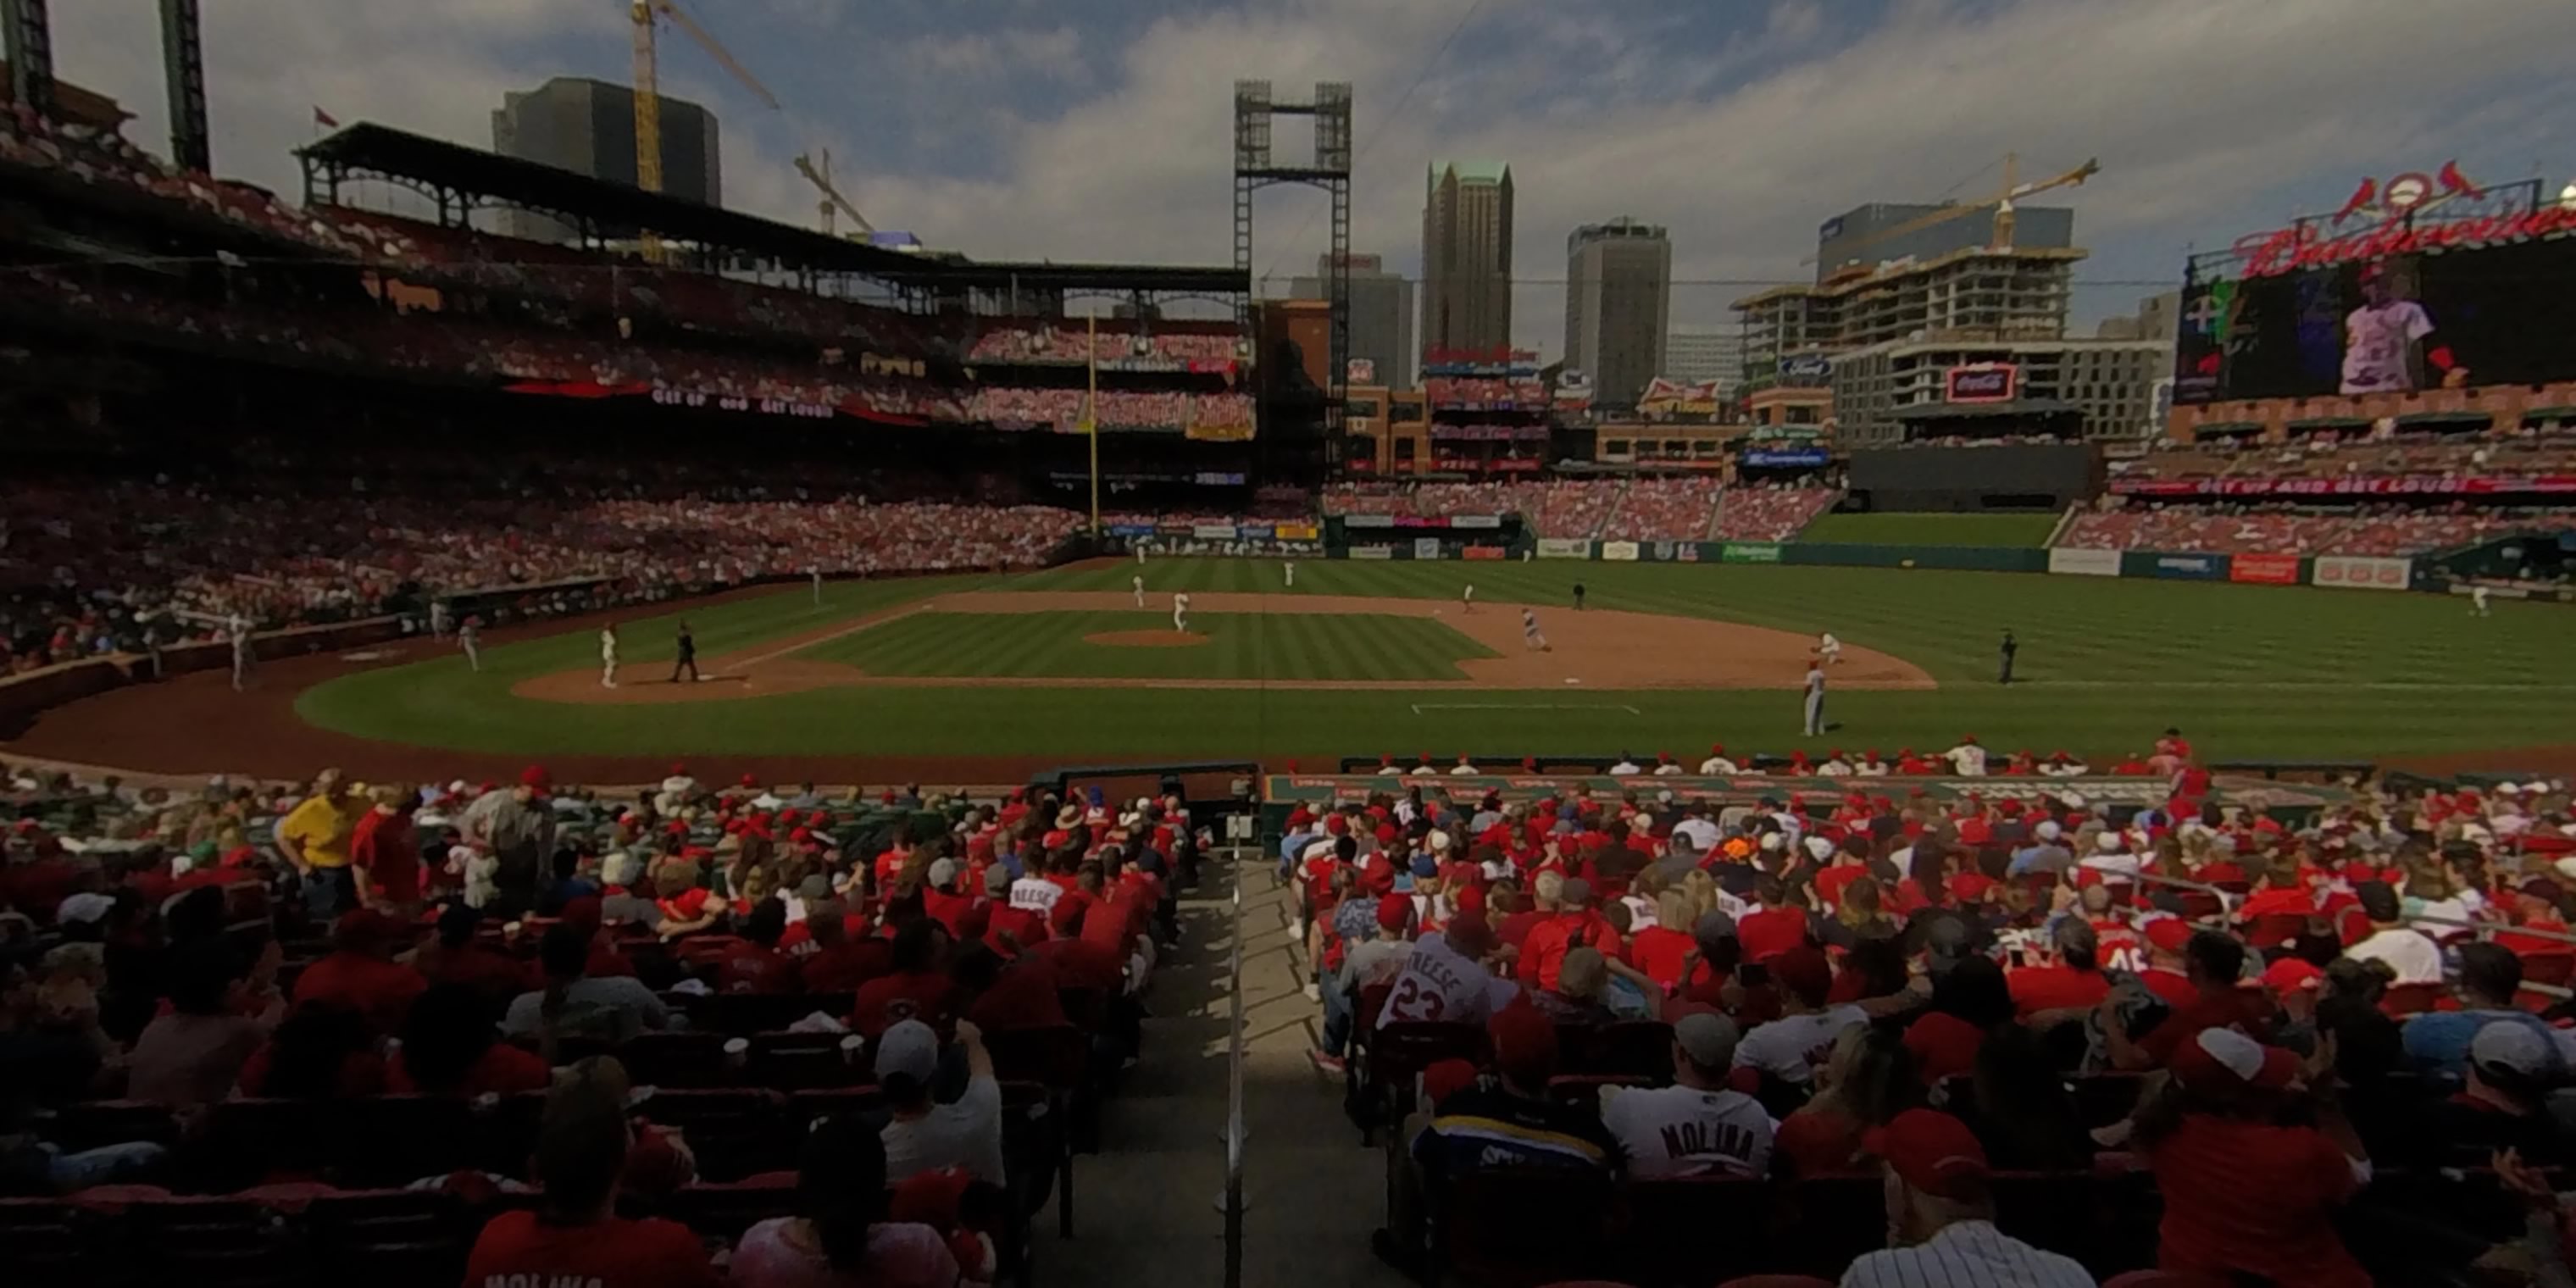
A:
<point x="383" y="150"/>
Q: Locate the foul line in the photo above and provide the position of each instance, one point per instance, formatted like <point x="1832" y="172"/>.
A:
<point x="852" y="629"/>
<point x="1420" y="707"/>
<point x="2303" y="686"/>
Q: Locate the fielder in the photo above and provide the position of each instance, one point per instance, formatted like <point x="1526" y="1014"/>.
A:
<point x="608" y="656"/>
<point x="1829" y="649"/>
<point x="1815" y="699"/>
<point x="1180" y="612"/>
<point x="239" y="631"/>
<point x="2478" y="600"/>
<point x="818" y="588"/>
<point x="469" y="637"/>
<point x="1467" y="598"/>
<point x="1290" y="568"/>
<point x="1138" y="581"/>
<point x="438" y="619"/>
<point x="1140" y="552"/>
<point x="1530" y="638"/>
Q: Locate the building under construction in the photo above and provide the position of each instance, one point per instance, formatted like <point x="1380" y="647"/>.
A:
<point x="1982" y="293"/>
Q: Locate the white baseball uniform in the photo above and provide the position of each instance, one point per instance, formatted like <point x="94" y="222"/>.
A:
<point x="469" y="637"/>
<point x="2377" y="339"/>
<point x="818" y="588"/>
<point x="1437" y="982"/>
<point x="240" y="632"/>
<point x="1290" y="569"/>
<point x="1530" y="637"/>
<point x="1467" y="598"/>
<point x="1829" y="648"/>
<point x="1815" y="699"/>
<point x="1180" y="612"/>
<point x="1684" y="1131"/>
<point x="1139" y="583"/>
<point x="2478" y="599"/>
<point x="607" y="658"/>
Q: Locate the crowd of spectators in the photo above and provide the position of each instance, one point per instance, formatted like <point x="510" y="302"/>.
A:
<point x="2291" y="530"/>
<point x="2328" y="1052"/>
<point x="534" y="1033"/>
<point x="1664" y="509"/>
<point x="1770" y="513"/>
<point x="1061" y="409"/>
<point x="2325" y="455"/>
<point x="1069" y="343"/>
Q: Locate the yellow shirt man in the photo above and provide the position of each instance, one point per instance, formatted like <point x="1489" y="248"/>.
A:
<point x="323" y="827"/>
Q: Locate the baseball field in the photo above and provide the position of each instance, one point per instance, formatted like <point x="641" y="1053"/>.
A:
<point x="994" y="675"/>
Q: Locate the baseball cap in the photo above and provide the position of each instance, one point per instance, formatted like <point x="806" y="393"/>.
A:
<point x="2226" y="1063"/>
<point x="1708" y="1038"/>
<point x="536" y="779"/>
<point x="1394" y="911"/>
<point x="1524" y="1040"/>
<point x="1445" y="1078"/>
<point x="87" y="906"/>
<point x="1713" y="926"/>
<point x="2172" y="934"/>
<point x="943" y="871"/>
<point x="997" y="881"/>
<point x="2511" y="1052"/>
<point x="1575" y="893"/>
<point x="910" y="1049"/>
<point x="2541" y="888"/>
<point x="1931" y="1151"/>
<point x="2290" y="975"/>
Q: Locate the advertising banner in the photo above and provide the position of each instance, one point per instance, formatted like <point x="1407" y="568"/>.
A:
<point x="1475" y="520"/>
<point x="1296" y="532"/>
<point x="1749" y="552"/>
<point x="2190" y="567"/>
<point x="1426" y="547"/>
<point x="1178" y="529"/>
<point x="1663" y="551"/>
<point x="1484" y="553"/>
<point x="1213" y="531"/>
<point x="2085" y="563"/>
<point x="1982" y="382"/>
<point x="1368" y="521"/>
<point x="2361" y="572"/>
<point x="1619" y="551"/>
<point x="1131" y="529"/>
<point x="2366" y="485"/>
<point x="1790" y="458"/>
<point x="1689" y="552"/>
<point x="1564" y="548"/>
<point x="1372" y="552"/>
<point x="2270" y="570"/>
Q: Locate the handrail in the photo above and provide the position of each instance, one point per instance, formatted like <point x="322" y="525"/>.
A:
<point x="1234" y="1087"/>
<point x="2226" y="901"/>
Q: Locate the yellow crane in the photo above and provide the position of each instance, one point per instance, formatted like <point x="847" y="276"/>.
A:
<point x="2001" y="203"/>
<point x="648" y="89"/>
<point x="832" y="201"/>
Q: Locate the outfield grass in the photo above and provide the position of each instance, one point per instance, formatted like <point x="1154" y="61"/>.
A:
<point x="1240" y="646"/>
<point x="2249" y="671"/>
<point x="1932" y="529"/>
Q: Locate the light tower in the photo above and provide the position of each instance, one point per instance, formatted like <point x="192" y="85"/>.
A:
<point x="1330" y="169"/>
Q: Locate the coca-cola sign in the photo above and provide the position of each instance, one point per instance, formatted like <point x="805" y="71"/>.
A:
<point x="1982" y="382"/>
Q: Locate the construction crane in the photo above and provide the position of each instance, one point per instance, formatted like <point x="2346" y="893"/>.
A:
<point x="832" y="201"/>
<point x="2001" y="203"/>
<point x="648" y="90"/>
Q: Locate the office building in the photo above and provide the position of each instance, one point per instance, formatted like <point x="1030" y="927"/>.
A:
<point x="1858" y="236"/>
<point x="1381" y="314"/>
<point x="1618" y="302"/>
<point x="2111" y="384"/>
<point x="1467" y="255"/>
<point x="588" y="127"/>
<point x="1698" y="352"/>
<point x="2159" y="317"/>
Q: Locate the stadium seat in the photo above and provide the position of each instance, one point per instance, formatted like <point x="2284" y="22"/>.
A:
<point x="2105" y="1098"/>
<point x="1729" y="1224"/>
<point x="1397" y="1055"/>
<point x="803" y="1061"/>
<point x="1825" y="1221"/>
<point x="51" y="1243"/>
<point x="2410" y="999"/>
<point x="389" y="1239"/>
<point x="1636" y="1048"/>
<point x="212" y="1243"/>
<point x="744" y="1014"/>
<point x="723" y="1211"/>
<point x="733" y="1131"/>
<point x="408" y="1137"/>
<point x="1583" y="1090"/>
<point x="1520" y="1227"/>
<point x="687" y="1059"/>
<point x="1057" y="1057"/>
<point x="93" y="1123"/>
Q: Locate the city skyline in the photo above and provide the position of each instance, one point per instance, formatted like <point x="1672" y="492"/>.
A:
<point x="1094" y="131"/>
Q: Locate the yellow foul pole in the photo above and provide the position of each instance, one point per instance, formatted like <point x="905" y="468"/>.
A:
<point x="1091" y="411"/>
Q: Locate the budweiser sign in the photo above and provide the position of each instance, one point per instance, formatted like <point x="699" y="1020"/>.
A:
<point x="2406" y="214"/>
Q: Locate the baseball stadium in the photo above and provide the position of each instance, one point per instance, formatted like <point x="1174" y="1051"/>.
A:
<point x="587" y="734"/>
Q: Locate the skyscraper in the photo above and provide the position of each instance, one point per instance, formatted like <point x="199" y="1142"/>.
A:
<point x="1618" y="298"/>
<point x="1698" y="352"/>
<point x="588" y="127"/>
<point x="1381" y="314"/>
<point x="1467" y="255"/>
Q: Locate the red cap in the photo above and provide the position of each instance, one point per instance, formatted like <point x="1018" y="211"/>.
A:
<point x="679" y="770"/>
<point x="2171" y="934"/>
<point x="1932" y="1152"/>
<point x="1717" y="749"/>
<point x="2289" y="975"/>
<point x="1394" y="911"/>
<point x="1445" y="1078"/>
<point x="536" y="778"/>
<point x="1524" y="1041"/>
<point x="749" y="781"/>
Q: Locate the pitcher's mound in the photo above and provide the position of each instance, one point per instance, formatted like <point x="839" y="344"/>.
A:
<point x="1146" y="639"/>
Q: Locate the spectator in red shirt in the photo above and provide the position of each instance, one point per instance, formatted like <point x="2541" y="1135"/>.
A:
<point x="1660" y="950"/>
<point x="753" y="964"/>
<point x="917" y="987"/>
<point x="385" y="848"/>
<point x="455" y="957"/>
<point x="323" y="1051"/>
<point x="942" y="899"/>
<point x="574" y="1235"/>
<point x="1012" y="928"/>
<point x="2168" y="940"/>
<point x="2243" y="1194"/>
<point x="1867" y="1081"/>
<point x="451" y="1047"/>
<point x="1779" y="925"/>
<point x="2536" y="907"/>
<point x="1575" y="925"/>
<point x="999" y="996"/>
<point x="2063" y="989"/>
<point x="360" y="971"/>
<point x="2214" y="964"/>
<point x="840" y="962"/>
<point x="1968" y="1001"/>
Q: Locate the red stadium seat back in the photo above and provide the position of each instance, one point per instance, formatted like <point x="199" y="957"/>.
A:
<point x="2105" y="1098"/>
<point x="1399" y="1052"/>
<point x="807" y="1105"/>
<point x="1728" y="1219"/>
<point x="1086" y="1009"/>
<point x="389" y="1238"/>
<point x="221" y="1243"/>
<point x="406" y="1138"/>
<point x="800" y="1061"/>
<point x="2410" y="999"/>
<point x="688" y="1059"/>
<point x="734" y="1132"/>
<point x="1825" y="1221"/>
<point x="50" y="1243"/>
<point x="724" y="1211"/>
<point x="2049" y="1210"/>
<point x="1635" y="1048"/>
<point x="90" y="1124"/>
<point x="269" y="1139"/>
<point x="2552" y="969"/>
<point x="1522" y="1227"/>
<point x="1057" y="1055"/>
<point x="1583" y="1090"/>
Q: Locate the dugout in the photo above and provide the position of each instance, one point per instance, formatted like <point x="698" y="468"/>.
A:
<point x="1487" y="538"/>
<point x="1981" y="458"/>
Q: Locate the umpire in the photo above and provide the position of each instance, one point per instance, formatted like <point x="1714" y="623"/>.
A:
<point x="2004" y="675"/>
<point x="688" y="656"/>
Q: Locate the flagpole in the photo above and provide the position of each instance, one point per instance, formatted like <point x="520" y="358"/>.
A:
<point x="1091" y="410"/>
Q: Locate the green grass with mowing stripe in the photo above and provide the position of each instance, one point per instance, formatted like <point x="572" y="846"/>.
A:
<point x="1931" y="529"/>
<point x="2248" y="671"/>
<point x="1240" y="646"/>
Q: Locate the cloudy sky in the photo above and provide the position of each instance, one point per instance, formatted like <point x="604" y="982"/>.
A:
<point x="1099" y="129"/>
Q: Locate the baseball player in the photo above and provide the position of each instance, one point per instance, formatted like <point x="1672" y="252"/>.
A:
<point x="438" y="619"/>
<point x="1180" y="612"/>
<point x="1290" y="569"/>
<point x="608" y="656"/>
<point x="469" y="637"/>
<point x="238" y="631"/>
<point x="2478" y="599"/>
<point x="1530" y="638"/>
<point x="1140" y="552"/>
<point x="1467" y="598"/>
<point x="687" y="659"/>
<point x="1815" y="699"/>
<point x="1138" y="581"/>
<point x="818" y="587"/>
<point x="1828" y="649"/>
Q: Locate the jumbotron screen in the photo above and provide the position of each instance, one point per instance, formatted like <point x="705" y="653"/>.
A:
<point x="2501" y="315"/>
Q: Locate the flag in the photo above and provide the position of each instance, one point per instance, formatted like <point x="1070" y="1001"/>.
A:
<point x="324" y="119"/>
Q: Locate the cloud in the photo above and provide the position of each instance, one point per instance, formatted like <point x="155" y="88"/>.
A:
<point x="1093" y="132"/>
